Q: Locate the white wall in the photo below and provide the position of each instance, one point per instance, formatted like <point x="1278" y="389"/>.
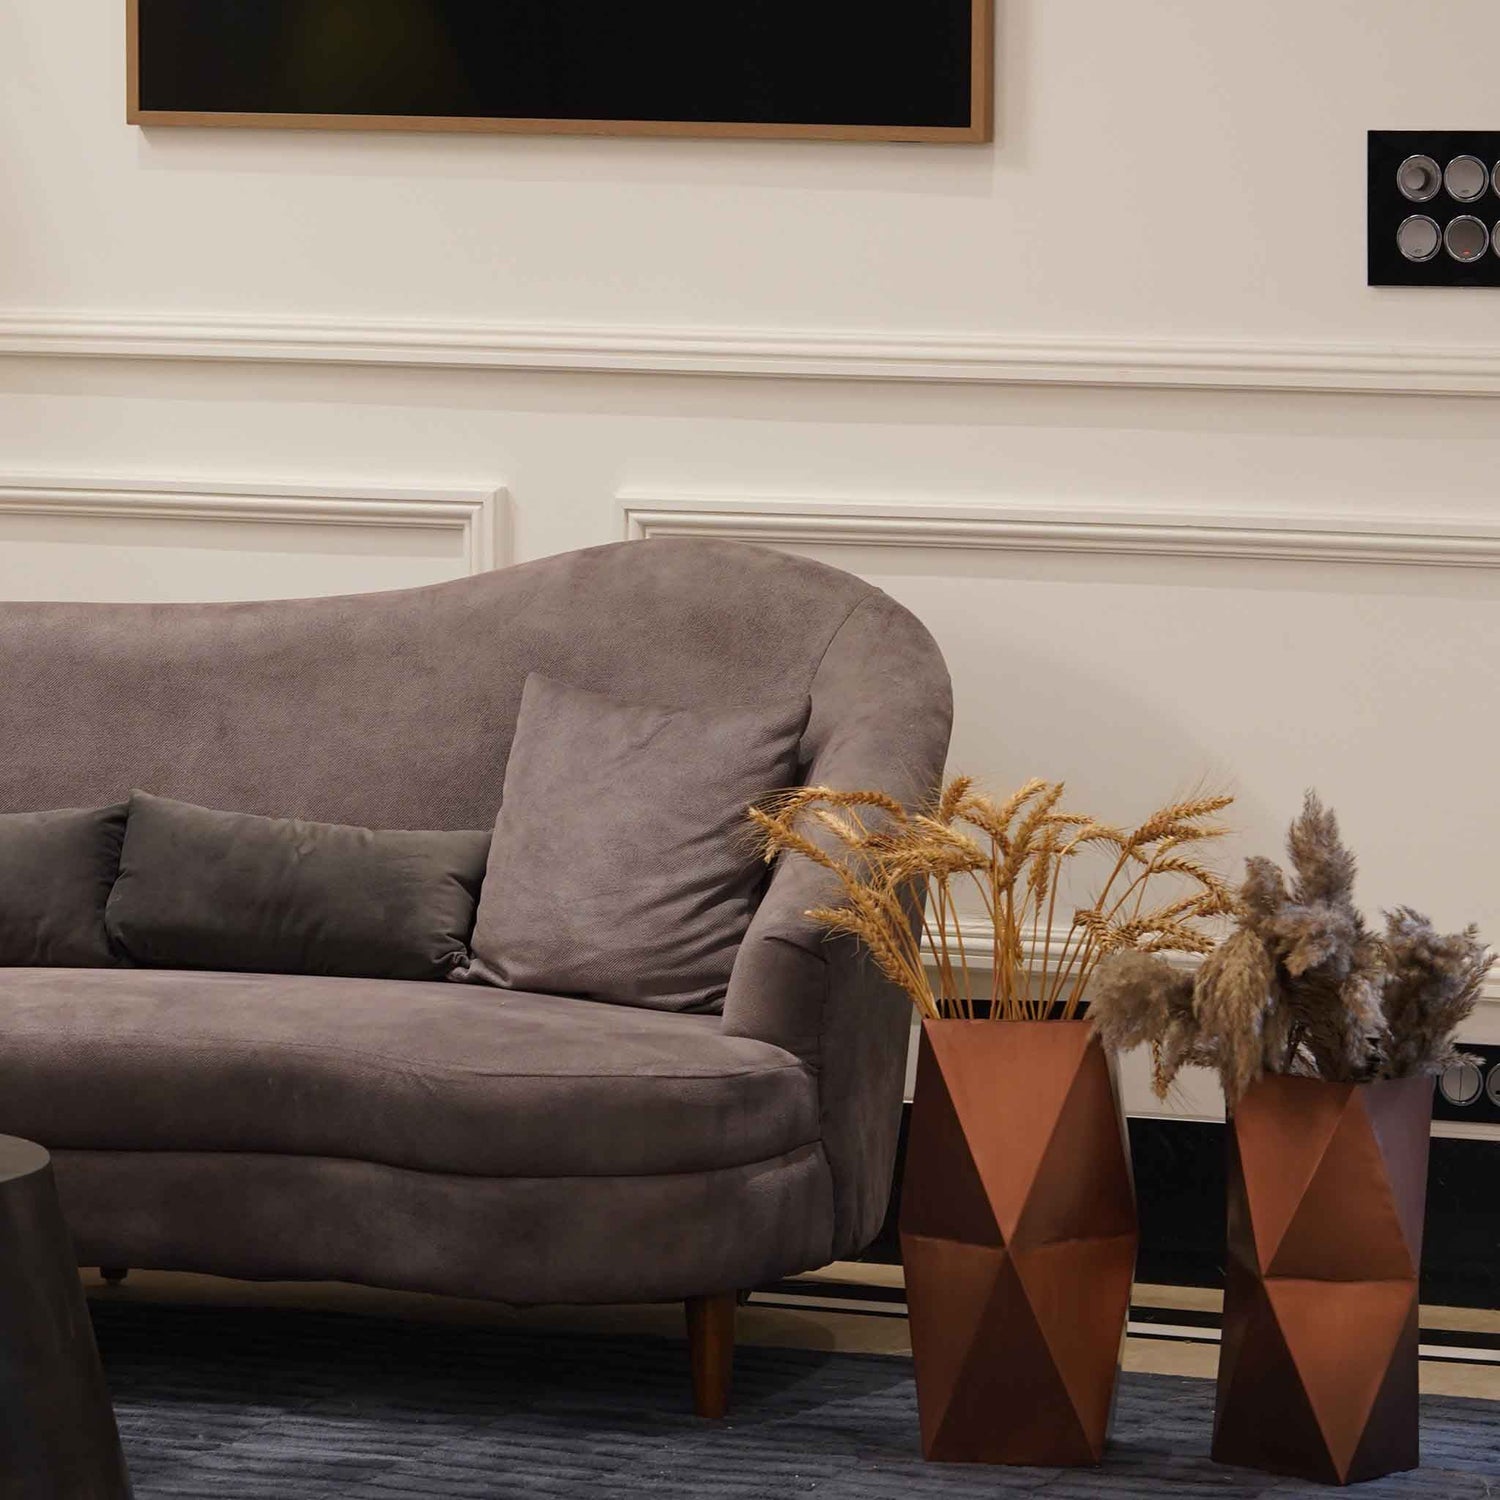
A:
<point x="1178" y="493"/>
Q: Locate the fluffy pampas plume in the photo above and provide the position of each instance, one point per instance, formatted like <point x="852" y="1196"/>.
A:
<point x="1302" y="986"/>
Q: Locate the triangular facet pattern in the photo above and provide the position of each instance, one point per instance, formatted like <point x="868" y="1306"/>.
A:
<point x="948" y="1285"/>
<point x="1073" y="1289"/>
<point x="951" y="1204"/>
<point x="1016" y="1331"/>
<point x="1318" y="1366"/>
<point x="1034" y="1074"/>
<point x="1392" y="1440"/>
<point x="1083" y="1183"/>
<point x="1262" y="1419"/>
<point x="1341" y="1336"/>
<point x="1281" y="1144"/>
<point x="1405" y="1151"/>
<point x="1011" y="1410"/>
<point x="1351" y="1189"/>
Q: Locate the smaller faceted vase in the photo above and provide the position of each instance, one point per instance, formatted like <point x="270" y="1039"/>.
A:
<point x="1018" y="1233"/>
<point x="1318" y="1367"/>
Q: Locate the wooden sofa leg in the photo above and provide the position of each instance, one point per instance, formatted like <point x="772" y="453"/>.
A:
<point x="114" y="1275"/>
<point x="710" y="1326"/>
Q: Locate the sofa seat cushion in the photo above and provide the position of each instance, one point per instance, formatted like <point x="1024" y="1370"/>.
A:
<point x="418" y="1074"/>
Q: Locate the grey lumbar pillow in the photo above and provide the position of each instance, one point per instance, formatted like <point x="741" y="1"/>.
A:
<point x="621" y="867"/>
<point x="56" y="869"/>
<point x="200" y="889"/>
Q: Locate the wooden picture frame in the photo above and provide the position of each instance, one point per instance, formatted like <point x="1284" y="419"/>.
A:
<point x="978" y="128"/>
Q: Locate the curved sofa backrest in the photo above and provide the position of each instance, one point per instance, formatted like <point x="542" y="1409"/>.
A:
<point x="395" y="710"/>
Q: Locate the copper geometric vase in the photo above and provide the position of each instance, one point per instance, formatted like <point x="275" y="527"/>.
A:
<point x="1018" y="1234"/>
<point x="1318" y="1365"/>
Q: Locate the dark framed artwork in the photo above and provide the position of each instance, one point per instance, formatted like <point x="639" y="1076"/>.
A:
<point x="891" y="70"/>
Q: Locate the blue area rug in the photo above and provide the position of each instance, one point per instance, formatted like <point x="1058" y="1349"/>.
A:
<point x="232" y="1403"/>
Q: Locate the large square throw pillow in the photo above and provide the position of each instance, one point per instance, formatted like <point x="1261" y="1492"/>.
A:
<point x="56" y="869"/>
<point x="200" y="889"/>
<point x="622" y="868"/>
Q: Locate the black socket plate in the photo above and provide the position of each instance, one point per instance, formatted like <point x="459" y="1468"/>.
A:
<point x="1485" y="1110"/>
<point x="1387" y="208"/>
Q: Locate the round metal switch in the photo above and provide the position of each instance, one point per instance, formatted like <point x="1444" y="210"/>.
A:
<point x="1466" y="238"/>
<point x="1418" y="237"/>
<point x="1419" y="178"/>
<point x="1461" y="1084"/>
<point x="1466" y="178"/>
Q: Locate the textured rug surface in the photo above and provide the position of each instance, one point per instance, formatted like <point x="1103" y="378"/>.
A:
<point x="301" y="1406"/>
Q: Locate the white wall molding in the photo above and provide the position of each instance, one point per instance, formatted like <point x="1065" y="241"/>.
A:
<point x="477" y="516"/>
<point x="816" y="354"/>
<point x="1113" y="531"/>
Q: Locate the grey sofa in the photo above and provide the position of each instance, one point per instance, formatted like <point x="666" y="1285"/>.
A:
<point x="440" y="1137"/>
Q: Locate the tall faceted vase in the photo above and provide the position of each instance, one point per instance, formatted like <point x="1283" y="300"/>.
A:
<point x="1318" y="1368"/>
<point x="1018" y="1233"/>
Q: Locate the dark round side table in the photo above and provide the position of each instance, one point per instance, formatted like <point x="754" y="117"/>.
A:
<point x="58" y="1439"/>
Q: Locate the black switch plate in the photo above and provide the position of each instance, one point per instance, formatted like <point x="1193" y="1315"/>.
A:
<point x="1388" y="207"/>
<point x="1484" y="1107"/>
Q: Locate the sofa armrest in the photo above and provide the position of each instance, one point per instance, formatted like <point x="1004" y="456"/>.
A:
<point x="882" y="710"/>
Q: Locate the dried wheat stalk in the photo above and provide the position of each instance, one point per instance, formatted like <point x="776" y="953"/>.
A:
<point x="1012" y="855"/>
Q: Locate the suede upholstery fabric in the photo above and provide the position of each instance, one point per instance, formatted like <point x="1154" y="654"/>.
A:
<point x="882" y="711"/>
<point x="397" y="711"/>
<point x="621" y="867"/>
<point x="205" y="889"/>
<point x="429" y="1076"/>
<point x="390" y="710"/>
<point x="56" y="870"/>
<point x="514" y="1239"/>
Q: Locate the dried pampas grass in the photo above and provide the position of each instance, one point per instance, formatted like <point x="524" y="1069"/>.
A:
<point x="1011" y="854"/>
<point x="1302" y="986"/>
<point x="1431" y="983"/>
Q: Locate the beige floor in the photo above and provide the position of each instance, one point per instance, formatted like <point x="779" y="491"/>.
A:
<point x="804" y="1325"/>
